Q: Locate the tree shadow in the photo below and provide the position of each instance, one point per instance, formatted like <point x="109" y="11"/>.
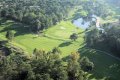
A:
<point x="54" y="38"/>
<point x="66" y="58"/>
<point x="5" y="51"/>
<point x="19" y="28"/>
<point x="3" y="42"/>
<point x="65" y="44"/>
<point x="106" y="67"/>
<point x="2" y="21"/>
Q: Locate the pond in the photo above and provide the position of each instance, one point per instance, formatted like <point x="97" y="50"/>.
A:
<point x="80" y="22"/>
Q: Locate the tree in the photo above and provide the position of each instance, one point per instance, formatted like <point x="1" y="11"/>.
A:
<point x="74" y="36"/>
<point x="39" y="53"/>
<point x="36" y="26"/>
<point x="14" y="67"/>
<point x="4" y="13"/>
<point x="56" y="50"/>
<point x="86" y="65"/>
<point x="19" y="15"/>
<point x="11" y="13"/>
<point x="44" y="76"/>
<point x="74" y="69"/>
<point x="59" y="71"/>
<point x="10" y="35"/>
<point x="83" y="13"/>
<point x="54" y="19"/>
<point x="49" y="67"/>
<point x="92" y="37"/>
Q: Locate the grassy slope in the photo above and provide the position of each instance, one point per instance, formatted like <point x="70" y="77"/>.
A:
<point x="105" y="66"/>
<point x="54" y="37"/>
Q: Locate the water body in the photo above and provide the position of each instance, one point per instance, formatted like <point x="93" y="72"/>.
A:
<point x="81" y="23"/>
<point x="86" y="23"/>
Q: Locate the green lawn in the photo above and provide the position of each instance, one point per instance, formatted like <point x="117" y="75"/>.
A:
<point x="56" y="36"/>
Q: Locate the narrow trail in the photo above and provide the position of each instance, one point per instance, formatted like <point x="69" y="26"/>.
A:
<point x="117" y="58"/>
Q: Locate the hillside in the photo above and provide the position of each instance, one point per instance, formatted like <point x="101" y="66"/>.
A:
<point x="45" y="46"/>
<point x="58" y="36"/>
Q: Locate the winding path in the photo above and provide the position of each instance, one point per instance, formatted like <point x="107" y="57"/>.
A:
<point x="117" y="58"/>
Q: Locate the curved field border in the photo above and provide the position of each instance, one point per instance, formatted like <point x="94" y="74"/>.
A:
<point x="117" y="58"/>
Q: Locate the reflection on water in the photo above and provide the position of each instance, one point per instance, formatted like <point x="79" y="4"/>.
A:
<point x="86" y="23"/>
<point x="81" y="23"/>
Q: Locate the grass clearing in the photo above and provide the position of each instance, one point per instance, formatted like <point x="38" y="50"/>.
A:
<point x="56" y="36"/>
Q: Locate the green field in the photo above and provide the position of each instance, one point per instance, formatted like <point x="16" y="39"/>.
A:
<point x="58" y="36"/>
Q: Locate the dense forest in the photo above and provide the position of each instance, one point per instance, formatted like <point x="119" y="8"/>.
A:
<point x="38" y="14"/>
<point x="39" y="40"/>
<point x="44" y="66"/>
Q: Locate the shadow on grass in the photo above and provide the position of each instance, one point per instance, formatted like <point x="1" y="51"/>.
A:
<point x="65" y="44"/>
<point x="106" y="67"/>
<point x="19" y="28"/>
<point x="54" y="38"/>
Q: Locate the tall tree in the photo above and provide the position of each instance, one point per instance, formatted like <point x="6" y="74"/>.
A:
<point x="36" y="26"/>
<point x="86" y="65"/>
<point x="74" y="69"/>
<point x="10" y="35"/>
